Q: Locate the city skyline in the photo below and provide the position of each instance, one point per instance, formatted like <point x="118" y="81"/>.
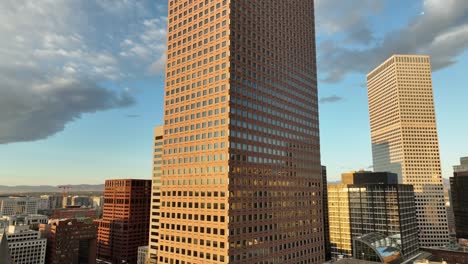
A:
<point x="117" y="143"/>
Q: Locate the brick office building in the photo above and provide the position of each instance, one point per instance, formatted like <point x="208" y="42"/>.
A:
<point x="125" y="223"/>
<point x="70" y="241"/>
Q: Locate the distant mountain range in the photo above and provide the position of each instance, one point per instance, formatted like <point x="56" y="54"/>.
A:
<point x="445" y="182"/>
<point x="48" y="188"/>
<point x="92" y="188"/>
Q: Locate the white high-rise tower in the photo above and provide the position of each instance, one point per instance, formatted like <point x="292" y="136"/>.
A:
<point x="404" y="137"/>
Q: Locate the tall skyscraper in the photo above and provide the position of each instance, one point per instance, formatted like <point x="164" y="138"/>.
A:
<point x="155" y="196"/>
<point x="361" y="206"/>
<point x="404" y="137"/>
<point x="459" y="190"/>
<point x="241" y="167"/>
<point x="125" y="220"/>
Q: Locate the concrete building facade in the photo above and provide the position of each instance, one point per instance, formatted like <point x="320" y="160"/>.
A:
<point x="43" y="203"/>
<point x="125" y="221"/>
<point x="55" y="201"/>
<point x="241" y="174"/>
<point x="326" y="225"/>
<point x="404" y="137"/>
<point x="155" y="195"/>
<point x="26" y="245"/>
<point x="10" y="205"/>
<point x="84" y="201"/>
<point x="67" y="201"/>
<point x="33" y="221"/>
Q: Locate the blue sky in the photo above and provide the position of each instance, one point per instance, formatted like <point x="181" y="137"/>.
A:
<point x="81" y="82"/>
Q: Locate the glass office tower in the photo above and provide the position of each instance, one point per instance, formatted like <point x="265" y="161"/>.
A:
<point x="371" y="202"/>
<point x="241" y="175"/>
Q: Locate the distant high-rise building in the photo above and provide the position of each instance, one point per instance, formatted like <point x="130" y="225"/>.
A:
<point x="26" y="245"/>
<point x="55" y="201"/>
<point x="81" y="201"/>
<point x="67" y="201"/>
<point x="241" y="166"/>
<point x="152" y="249"/>
<point x="125" y="221"/>
<point x="404" y="137"/>
<point x="364" y="205"/>
<point x="98" y="201"/>
<point x="43" y="203"/>
<point x="10" y="205"/>
<point x="70" y="241"/>
<point x="326" y="226"/>
<point x="459" y="190"/>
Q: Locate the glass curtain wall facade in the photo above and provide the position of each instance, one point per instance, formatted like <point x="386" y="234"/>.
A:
<point x="377" y="247"/>
<point x="386" y="209"/>
<point x="339" y="221"/>
<point x="357" y="210"/>
<point x="241" y="180"/>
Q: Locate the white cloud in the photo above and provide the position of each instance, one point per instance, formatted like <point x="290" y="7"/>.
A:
<point x="59" y="52"/>
<point x="440" y="32"/>
<point x="148" y="44"/>
<point x="347" y="17"/>
<point x="158" y="66"/>
<point x="121" y="7"/>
